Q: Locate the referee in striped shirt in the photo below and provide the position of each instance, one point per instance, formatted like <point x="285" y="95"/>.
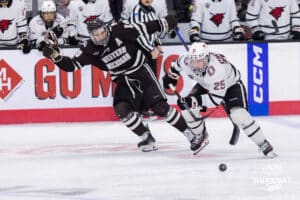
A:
<point x="144" y="12"/>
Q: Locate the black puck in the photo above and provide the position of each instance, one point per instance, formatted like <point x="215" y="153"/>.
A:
<point x="222" y="167"/>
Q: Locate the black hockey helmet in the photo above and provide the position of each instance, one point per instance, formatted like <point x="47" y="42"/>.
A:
<point x="98" y="31"/>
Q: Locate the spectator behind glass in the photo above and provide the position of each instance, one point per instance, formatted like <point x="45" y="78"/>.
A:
<point x="62" y="7"/>
<point x="274" y="20"/>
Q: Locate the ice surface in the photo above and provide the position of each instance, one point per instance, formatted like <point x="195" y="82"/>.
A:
<point x="100" y="161"/>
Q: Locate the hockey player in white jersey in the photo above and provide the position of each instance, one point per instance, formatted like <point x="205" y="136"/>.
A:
<point x="13" y="24"/>
<point x="47" y="24"/>
<point x="83" y="11"/>
<point x="218" y="81"/>
<point x="215" y="20"/>
<point x="274" y="19"/>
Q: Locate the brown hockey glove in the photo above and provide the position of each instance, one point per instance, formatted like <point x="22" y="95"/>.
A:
<point x="52" y="52"/>
<point x="238" y="33"/>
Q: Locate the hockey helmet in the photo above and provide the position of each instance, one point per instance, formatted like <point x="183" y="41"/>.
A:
<point x="199" y="56"/>
<point x="98" y="31"/>
<point x="48" y="12"/>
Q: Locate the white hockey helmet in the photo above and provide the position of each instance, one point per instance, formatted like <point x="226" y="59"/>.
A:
<point x="48" y="12"/>
<point x="199" y="56"/>
<point x="48" y="6"/>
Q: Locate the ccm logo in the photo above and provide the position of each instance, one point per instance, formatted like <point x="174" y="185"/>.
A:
<point x="258" y="79"/>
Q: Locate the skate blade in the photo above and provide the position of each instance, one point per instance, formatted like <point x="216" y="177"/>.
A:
<point x="205" y="143"/>
<point x="271" y="154"/>
<point x="148" y="148"/>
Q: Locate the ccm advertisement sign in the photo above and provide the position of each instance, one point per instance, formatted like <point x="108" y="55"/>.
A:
<point x="258" y="87"/>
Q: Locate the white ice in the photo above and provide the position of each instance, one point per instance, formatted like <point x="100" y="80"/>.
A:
<point x="100" y="161"/>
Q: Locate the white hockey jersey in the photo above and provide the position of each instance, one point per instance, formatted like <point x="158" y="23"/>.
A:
<point x="219" y="76"/>
<point x="215" y="19"/>
<point x="37" y="29"/>
<point x="159" y="6"/>
<point x="81" y="13"/>
<point x="275" y="18"/>
<point x="13" y="22"/>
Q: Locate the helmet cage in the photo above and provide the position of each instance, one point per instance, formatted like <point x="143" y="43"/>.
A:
<point x="199" y="57"/>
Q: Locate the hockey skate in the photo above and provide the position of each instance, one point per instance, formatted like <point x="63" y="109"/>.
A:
<point x="198" y="141"/>
<point x="148" y="143"/>
<point x="267" y="149"/>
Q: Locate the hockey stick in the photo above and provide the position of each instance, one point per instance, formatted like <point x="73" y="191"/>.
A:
<point x="181" y="38"/>
<point x="236" y="131"/>
<point x="195" y="118"/>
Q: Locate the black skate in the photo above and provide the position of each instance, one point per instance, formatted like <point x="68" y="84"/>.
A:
<point x="198" y="141"/>
<point x="148" y="143"/>
<point x="267" y="149"/>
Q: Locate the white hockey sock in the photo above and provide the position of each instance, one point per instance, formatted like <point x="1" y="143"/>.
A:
<point x="251" y="128"/>
<point x="195" y="126"/>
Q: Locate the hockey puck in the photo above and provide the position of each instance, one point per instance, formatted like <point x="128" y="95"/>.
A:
<point x="222" y="167"/>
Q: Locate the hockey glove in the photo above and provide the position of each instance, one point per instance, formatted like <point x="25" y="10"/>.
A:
<point x="73" y="40"/>
<point x="167" y="80"/>
<point x="172" y="34"/>
<point x="188" y="102"/>
<point x="41" y="45"/>
<point x="194" y="35"/>
<point x="25" y="45"/>
<point x="295" y="35"/>
<point x="52" y="52"/>
<point x="58" y="31"/>
<point x="258" y="35"/>
<point x="238" y="33"/>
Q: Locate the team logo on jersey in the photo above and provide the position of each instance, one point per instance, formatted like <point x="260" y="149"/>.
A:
<point x="276" y="12"/>
<point x="4" y="24"/>
<point x="217" y="18"/>
<point x="90" y="18"/>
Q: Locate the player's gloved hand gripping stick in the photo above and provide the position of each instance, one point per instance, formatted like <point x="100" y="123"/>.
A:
<point x="172" y="87"/>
